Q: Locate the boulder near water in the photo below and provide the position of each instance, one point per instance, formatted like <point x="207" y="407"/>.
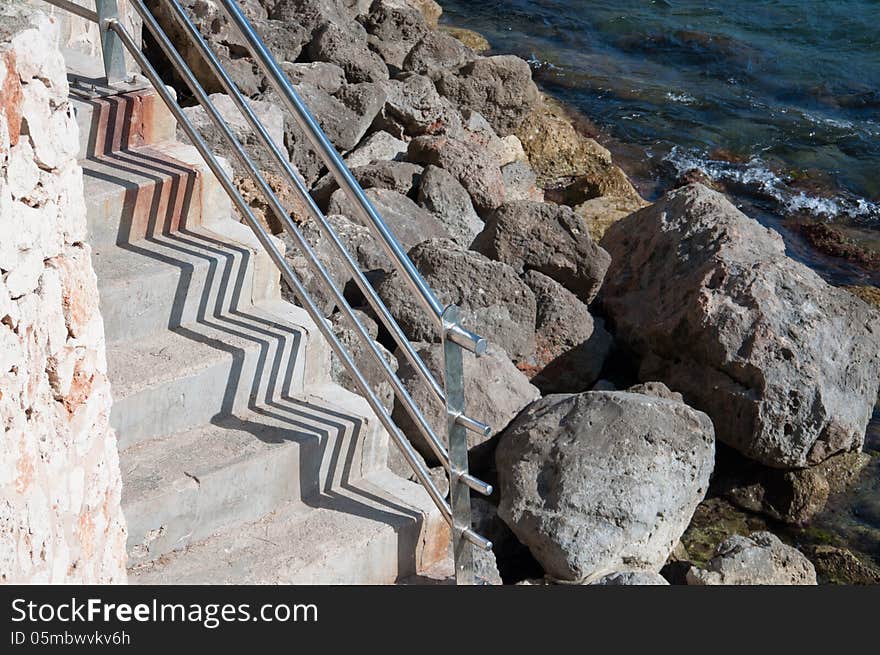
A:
<point x="787" y="366"/>
<point x="603" y="481"/>
<point x="759" y="559"/>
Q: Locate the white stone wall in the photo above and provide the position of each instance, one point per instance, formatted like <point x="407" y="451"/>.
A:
<point x="60" y="515"/>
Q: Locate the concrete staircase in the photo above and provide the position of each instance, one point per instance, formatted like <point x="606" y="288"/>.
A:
<point x="241" y="461"/>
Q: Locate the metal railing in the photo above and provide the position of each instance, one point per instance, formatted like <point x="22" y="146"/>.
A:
<point x="454" y="337"/>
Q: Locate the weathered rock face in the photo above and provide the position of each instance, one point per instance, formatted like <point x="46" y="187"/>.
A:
<point x="414" y="108"/>
<point x="60" y="515"/>
<point x="474" y="168"/>
<point x="379" y="146"/>
<point x="546" y="238"/>
<point x="436" y="52"/>
<point x="786" y="365"/>
<point x="442" y="195"/>
<point x="494" y="302"/>
<point x="521" y="183"/>
<point x="759" y="559"/>
<point x="495" y="392"/>
<point x="394" y="27"/>
<point x="603" y="481"/>
<point x="399" y="176"/>
<point x="601" y="213"/>
<point x="571" y="347"/>
<point x="499" y="87"/>
<point x="410" y="223"/>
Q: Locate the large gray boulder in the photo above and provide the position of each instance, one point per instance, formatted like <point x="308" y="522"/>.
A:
<point x="603" y="481"/>
<point x="786" y="365"/>
<point x="400" y="176"/>
<point x="500" y="88"/>
<point x="547" y="238"/>
<point x="474" y="168"/>
<point x="442" y="195"/>
<point x="759" y="559"/>
<point x="495" y="392"/>
<point x="410" y="223"/>
<point x="346" y="46"/>
<point x="495" y="303"/>
<point x="570" y="345"/>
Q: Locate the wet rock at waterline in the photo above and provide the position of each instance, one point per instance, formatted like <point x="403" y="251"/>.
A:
<point x="759" y="559"/>
<point x="603" y="481"/>
<point x="785" y="364"/>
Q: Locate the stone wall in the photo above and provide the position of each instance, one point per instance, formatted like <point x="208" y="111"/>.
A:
<point x="60" y="515"/>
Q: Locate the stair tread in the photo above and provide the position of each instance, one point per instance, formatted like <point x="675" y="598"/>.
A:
<point x="175" y="353"/>
<point x="159" y="466"/>
<point x="131" y="169"/>
<point x="328" y="538"/>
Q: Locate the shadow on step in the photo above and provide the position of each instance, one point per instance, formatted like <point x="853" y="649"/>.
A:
<point x="217" y="312"/>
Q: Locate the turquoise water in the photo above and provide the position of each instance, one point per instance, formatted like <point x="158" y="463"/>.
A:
<point x="779" y="100"/>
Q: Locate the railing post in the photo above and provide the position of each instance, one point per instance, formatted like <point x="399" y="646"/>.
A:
<point x="111" y="45"/>
<point x="460" y="495"/>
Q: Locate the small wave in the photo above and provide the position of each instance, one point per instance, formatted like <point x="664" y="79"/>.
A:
<point x="681" y="98"/>
<point x="758" y="179"/>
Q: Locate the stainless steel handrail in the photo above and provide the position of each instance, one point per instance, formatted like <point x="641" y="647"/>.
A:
<point x="455" y="338"/>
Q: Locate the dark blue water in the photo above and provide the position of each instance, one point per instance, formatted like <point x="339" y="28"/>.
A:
<point x="779" y="100"/>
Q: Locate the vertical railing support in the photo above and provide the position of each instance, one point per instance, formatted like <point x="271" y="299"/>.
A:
<point x="460" y="493"/>
<point x="111" y="45"/>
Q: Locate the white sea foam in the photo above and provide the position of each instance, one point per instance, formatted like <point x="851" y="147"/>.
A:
<point x="759" y="179"/>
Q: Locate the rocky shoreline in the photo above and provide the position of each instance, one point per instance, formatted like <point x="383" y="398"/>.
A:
<point x="626" y="337"/>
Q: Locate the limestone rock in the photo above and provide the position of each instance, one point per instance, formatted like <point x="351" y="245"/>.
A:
<point x="786" y="365"/>
<point x="473" y="40"/>
<point x="442" y="195"/>
<point x="601" y="213"/>
<point x="603" y="481"/>
<point x="546" y="238"/>
<point x="759" y="559"/>
<point x="495" y="303"/>
<point x="500" y="88"/>
<point x="571" y="346"/>
<point x="472" y="166"/>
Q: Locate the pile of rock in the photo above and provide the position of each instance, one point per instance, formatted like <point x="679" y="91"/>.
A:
<point x="501" y="202"/>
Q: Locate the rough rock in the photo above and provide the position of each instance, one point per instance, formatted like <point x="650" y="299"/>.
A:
<point x="346" y="46"/>
<point x="570" y="346"/>
<point x="357" y="239"/>
<point x="327" y="77"/>
<point x="472" y="166"/>
<point x="603" y="481"/>
<point x="399" y="466"/>
<point x="473" y="40"/>
<point x="521" y="183"/>
<point x="435" y="52"/>
<point x="442" y="195"/>
<point x="410" y="223"/>
<point x="289" y="199"/>
<point x="601" y="213"/>
<point x="394" y="27"/>
<point x="270" y="115"/>
<point x="414" y="108"/>
<point x="563" y="157"/>
<point x="399" y="176"/>
<point x="793" y="497"/>
<point x="430" y="10"/>
<point x="495" y="392"/>
<point x="759" y="559"/>
<point x="500" y="88"/>
<point x="869" y="294"/>
<point x="627" y="578"/>
<point x="358" y="349"/>
<point x="841" y="566"/>
<point x="546" y="238"/>
<point x="495" y="303"/>
<point x="786" y="365"/>
<point x="379" y="146"/>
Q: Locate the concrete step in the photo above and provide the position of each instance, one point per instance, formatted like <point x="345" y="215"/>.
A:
<point x="193" y="374"/>
<point x="171" y="280"/>
<point x="374" y="531"/>
<point x="183" y="488"/>
<point x="149" y="191"/>
<point x="118" y="122"/>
